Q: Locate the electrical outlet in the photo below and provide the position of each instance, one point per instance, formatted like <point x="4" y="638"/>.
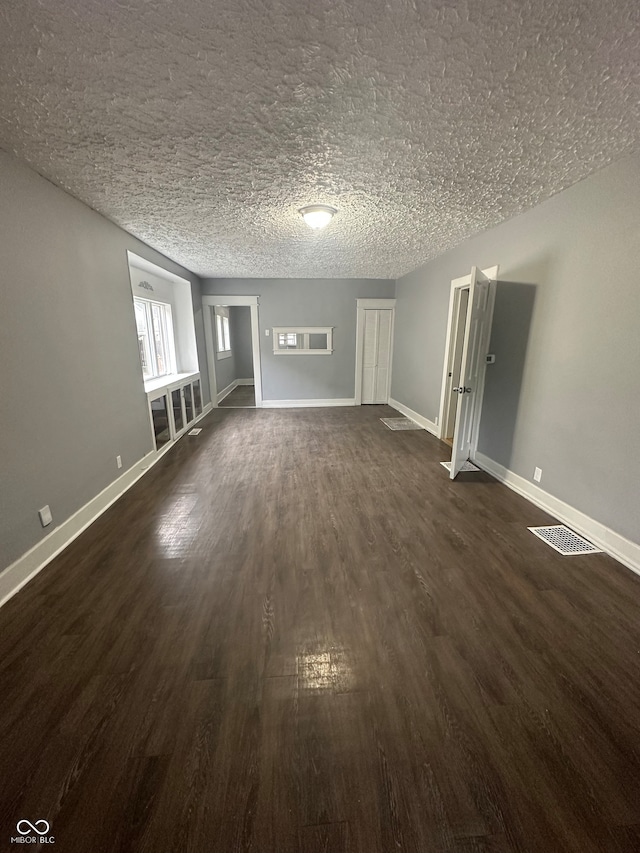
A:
<point x="119" y="461"/>
<point x="45" y="516"/>
<point x="436" y="421"/>
<point x="537" y="475"/>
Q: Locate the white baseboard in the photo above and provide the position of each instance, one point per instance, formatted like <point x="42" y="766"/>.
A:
<point x="226" y="391"/>
<point x="15" y="576"/>
<point x="304" y="404"/>
<point x="232" y="387"/>
<point x="26" y="567"/>
<point x="623" y="550"/>
<point x="425" y="423"/>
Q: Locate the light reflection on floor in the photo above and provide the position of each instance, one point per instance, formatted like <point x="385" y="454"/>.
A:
<point x="178" y="527"/>
<point x="327" y="669"/>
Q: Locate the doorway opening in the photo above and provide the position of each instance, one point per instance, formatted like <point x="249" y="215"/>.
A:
<point x="233" y="350"/>
<point x="467" y="343"/>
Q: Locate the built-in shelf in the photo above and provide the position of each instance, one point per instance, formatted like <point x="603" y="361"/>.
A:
<point x="175" y="402"/>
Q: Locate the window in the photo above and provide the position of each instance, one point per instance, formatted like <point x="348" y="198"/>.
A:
<point x="290" y="340"/>
<point x="307" y="340"/>
<point x="155" y="337"/>
<point x="222" y="333"/>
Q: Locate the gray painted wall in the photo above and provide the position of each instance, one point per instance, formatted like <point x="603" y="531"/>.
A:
<point x="306" y="302"/>
<point x="564" y="393"/>
<point x="71" y="386"/>
<point x="225" y="368"/>
<point x="241" y="340"/>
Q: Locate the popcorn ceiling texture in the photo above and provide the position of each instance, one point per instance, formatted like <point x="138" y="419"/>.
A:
<point x="202" y="126"/>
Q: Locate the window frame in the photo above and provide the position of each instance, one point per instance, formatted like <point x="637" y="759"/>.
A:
<point x="305" y="332"/>
<point x="223" y="333"/>
<point x="157" y="342"/>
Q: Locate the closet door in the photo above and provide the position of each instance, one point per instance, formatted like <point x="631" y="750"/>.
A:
<point x="369" y="356"/>
<point x="376" y="355"/>
<point x="384" y="357"/>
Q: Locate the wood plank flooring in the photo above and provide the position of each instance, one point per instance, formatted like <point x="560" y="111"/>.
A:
<point x="296" y="634"/>
<point x="242" y="397"/>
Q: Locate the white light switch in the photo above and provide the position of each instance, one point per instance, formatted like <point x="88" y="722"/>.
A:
<point x="266" y="331"/>
<point x="45" y="516"/>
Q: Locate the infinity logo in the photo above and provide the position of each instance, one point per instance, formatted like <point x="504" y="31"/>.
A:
<point x="32" y="827"/>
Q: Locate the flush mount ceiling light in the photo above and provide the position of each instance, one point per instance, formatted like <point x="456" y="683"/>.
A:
<point x="317" y="215"/>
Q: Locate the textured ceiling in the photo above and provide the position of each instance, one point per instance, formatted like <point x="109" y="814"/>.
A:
<point x="201" y="126"/>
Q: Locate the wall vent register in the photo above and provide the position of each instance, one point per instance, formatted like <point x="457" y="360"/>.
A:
<point x="400" y="423"/>
<point x="564" y="540"/>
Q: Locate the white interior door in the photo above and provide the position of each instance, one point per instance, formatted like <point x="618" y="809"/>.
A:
<point x="476" y="342"/>
<point x="376" y="356"/>
<point x="460" y="315"/>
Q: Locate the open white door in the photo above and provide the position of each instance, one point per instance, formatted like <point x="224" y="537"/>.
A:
<point x="476" y="344"/>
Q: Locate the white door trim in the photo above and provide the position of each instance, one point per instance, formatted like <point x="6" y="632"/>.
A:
<point x="208" y="304"/>
<point x="362" y="306"/>
<point x="457" y="283"/>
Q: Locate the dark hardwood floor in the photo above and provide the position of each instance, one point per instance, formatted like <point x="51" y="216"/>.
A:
<point x="242" y="397"/>
<point x="296" y="634"/>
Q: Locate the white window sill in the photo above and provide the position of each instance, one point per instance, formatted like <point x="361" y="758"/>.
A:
<point x="302" y="351"/>
<point x="225" y="354"/>
<point x="168" y="382"/>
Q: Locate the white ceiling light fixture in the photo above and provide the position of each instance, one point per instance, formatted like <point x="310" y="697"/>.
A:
<point x="317" y="215"/>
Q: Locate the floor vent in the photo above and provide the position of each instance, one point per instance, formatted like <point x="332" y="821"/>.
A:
<point x="195" y="431"/>
<point x="466" y="466"/>
<point x="564" y="541"/>
<point x="400" y="423"/>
